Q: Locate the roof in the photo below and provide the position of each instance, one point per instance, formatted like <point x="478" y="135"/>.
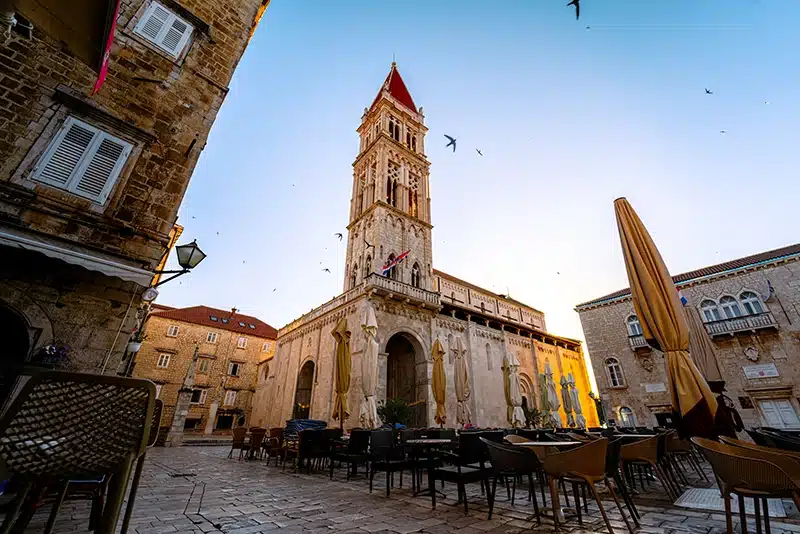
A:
<point x="747" y="261"/>
<point x="159" y="307"/>
<point x="222" y="319"/>
<point x="397" y="88"/>
<point x="478" y="288"/>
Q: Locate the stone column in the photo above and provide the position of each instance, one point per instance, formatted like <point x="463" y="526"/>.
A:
<point x="212" y="415"/>
<point x="175" y="434"/>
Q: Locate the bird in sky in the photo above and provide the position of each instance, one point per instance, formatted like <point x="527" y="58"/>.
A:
<point x="452" y="142"/>
<point x="723" y="131"/>
<point x="479" y="152"/>
<point x="709" y="92"/>
<point x="367" y="243"/>
<point x="339" y="235"/>
<point x="327" y="270"/>
<point x="588" y="27"/>
<point x="577" y="4"/>
<point x="274" y="290"/>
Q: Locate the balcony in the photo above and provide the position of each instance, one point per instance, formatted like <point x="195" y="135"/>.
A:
<point x="392" y="289"/>
<point x="748" y="323"/>
<point x="638" y="342"/>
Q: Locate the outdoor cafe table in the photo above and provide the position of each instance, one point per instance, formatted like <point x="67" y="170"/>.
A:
<point x="540" y="448"/>
<point x="431" y="445"/>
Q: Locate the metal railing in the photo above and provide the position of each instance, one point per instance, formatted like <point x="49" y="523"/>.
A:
<point x="741" y="324"/>
<point x="387" y="285"/>
<point x="638" y="342"/>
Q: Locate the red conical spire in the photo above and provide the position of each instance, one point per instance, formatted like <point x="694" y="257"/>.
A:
<point x="397" y="88"/>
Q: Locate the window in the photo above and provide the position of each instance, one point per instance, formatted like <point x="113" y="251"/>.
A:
<point x="751" y="302"/>
<point x="224" y="320"/>
<point x="214" y="318"/>
<point x="614" y="372"/>
<point x="266" y="347"/>
<point x="265" y="373"/>
<point x="778" y="413"/>
<point x="489" y="357"/>
<point x="242" y="343"/>
<point x="354" y="276"/>
<point x="83" y="160"/>
<point x="634" y="326"/>
<point x="241" y="324"/>
<point x="368" y="267"/>
<point x="164" y="29"/>
<point x="211" y="337"/>
<point x="230" y="397"/>
<point x="392" y="177"/>
<point x="172" y="330"/>
<point x="710" y="311"/>
<point x="730" y="307"/>
<point x="394" y="128"/>
<point x="234" y="369"/>
<point x="416" y="275"/>
<point x="393" y="271"/>
<point x="158" y="390"/>
<point x="163" y="361"/>
<point x="202" y="365"/>
<point x="199" y="396"/>
<point x="626" y="417"/>
<point x="252" y="326"/>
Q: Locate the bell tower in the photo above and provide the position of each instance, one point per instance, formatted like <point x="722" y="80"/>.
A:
<point x="390" y="210"/>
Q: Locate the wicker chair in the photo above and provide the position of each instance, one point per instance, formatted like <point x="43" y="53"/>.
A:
<point x="514" y="438"/>
<point x="644" y="453"/>
<point x="238" y="441"/>
<point x="512" y="461"/>
<point x="71" y="426"/>
<point x="751" y="473"/>
<point x="582" y="465"/>
<point x="274" y="445"/>
<point x="253" y="447"/>
<point x="770" y="450"/>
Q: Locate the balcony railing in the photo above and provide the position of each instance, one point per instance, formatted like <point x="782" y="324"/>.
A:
<point x="748" y="323"/>
<point x="400" y="290"/>
<point x="321" y="310"/>
<point x="638" y="342"/>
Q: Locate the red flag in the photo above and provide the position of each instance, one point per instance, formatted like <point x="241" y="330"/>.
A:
<point x="397" y="260"/>
<point x="101" y="77"/>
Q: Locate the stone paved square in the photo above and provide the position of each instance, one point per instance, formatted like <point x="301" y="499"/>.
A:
<point x="248" y="497"/>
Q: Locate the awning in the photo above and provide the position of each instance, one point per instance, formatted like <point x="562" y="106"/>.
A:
<point x="74" y="255"/>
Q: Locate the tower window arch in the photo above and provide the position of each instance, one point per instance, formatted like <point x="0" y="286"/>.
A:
<point x="392" y="179"/>
<point x="710" y="311"/>
<point x="634" y="326"/>
<point x="354" y="276"/>
<point x="730" y="307"/>
<point x="488" y="357"/>
<point x="614" y="373"/>
<point x="416" y="276"/>
<point x="394" y="128"/>
<point x="368" y="266"/>
<point x="392" y="273"/>
<point x="751" y="302"/>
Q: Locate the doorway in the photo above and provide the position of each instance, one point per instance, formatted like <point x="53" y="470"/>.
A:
<point x="302" y="395"/>
<point x="403" y="378"/>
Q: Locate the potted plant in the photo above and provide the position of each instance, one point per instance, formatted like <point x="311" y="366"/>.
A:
<point x="53" y="356"/>
<point x="135" y="341"/>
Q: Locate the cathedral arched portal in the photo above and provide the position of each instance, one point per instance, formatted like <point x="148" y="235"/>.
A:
<point x="302" y="395"/>
<point x="407" y="374"/>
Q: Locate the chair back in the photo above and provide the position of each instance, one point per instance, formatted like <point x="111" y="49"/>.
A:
<point x="587" y="460"/>
<point x="515" y="438"/>
<point x="471" y="449"/>
<point x="257" y="437"/>
<point x="645" y="450"/>
<point x="276" y="433"/>
<point x="511" y="458"/>
<point x="359" y="441"/>
<point x="613" y="457"/>
<point x="75" y="425"/>
<point x="528" y="434"/>
<point x="238" y="435"/>
<point x="493" y="435"/>
<point x="156" y="423"/>
<point x="448" y="433"/>
<point x="783" y="441"/>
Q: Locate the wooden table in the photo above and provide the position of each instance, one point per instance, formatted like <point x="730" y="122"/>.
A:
<point x="426" y="443"/>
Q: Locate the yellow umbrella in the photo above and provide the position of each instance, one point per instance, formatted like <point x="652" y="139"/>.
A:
<point x="439" y="382"/>
<point x="664" y="325"/>
<point x="343" y="362"/>
<point x="700" y="347"/>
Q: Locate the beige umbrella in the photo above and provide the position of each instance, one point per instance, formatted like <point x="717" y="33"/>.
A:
<point x="543" y="399"/>
<point x="342" y="377"/>
<point x="463" y="413"/>
<point x="368" y="412"/>
<point x="664" y="325"/>
<point x="580" y="420"/>
<point x="552" y="397"/>
<point x="439" y="382"/>
<point x="700" y="347"/>
<point x="513" y="391"/>
<point x="566" y="398"/>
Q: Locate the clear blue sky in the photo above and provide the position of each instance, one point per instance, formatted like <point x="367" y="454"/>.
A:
<point x="567" y="118"/>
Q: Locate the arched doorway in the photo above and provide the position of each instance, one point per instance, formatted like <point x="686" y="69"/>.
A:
<point x="404" y="378"/>
<point x="302" y="395"/>
<point x="16" y="345"/>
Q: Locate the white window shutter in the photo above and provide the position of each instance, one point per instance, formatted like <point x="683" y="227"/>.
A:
<point x="787" y="413"/>
<point x="164" y="28"/>
<point x="176" y="36"/>
<point x="152" y="23"/>
<point x="771" y="415"/>
<point x="65" y="153"/>
<point x="103" y="165"/>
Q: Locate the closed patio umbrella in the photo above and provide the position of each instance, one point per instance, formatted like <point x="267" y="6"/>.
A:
<point x="368" y="412"/>
<point x="580" y="420"/>
<point x="513" y="391"/>
<point x="439" y="382"/>
<point x="342" y="377"/>
<point x="700" y="348"/>
<point x="552" y="398"/>
<point x="664" y="324"/>
<point x="463" y="413"/>
<point x="566" y="398"/>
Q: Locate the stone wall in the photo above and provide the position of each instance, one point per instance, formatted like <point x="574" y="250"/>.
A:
<point x="607" y="336"/>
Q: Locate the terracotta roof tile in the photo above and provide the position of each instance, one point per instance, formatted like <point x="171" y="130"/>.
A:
<point x="747" y="261"/>
<point x="397" y="88"/>
<point x="202" y="315"/>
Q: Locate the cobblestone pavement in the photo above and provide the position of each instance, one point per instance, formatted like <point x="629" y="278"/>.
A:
<point x="198" y="490"/>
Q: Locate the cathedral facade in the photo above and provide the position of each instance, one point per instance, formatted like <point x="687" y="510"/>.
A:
<point x="415" y="304"/>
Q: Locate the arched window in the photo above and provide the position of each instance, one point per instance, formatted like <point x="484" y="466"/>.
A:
<point x="710" y="311"/>
<point x="368" y="267"/>
<point x="489" y="357"/>
<point x="751" y="302"/>
<point x="634" y="327"/>
<point x="730" y="307"/>
<point x="354" y="276"/>
<point x="394" y="128"/>
<point x="614" y="372"/>
<point x="413" y="206"/>
<point x="392" y="273"/>
<point x="626" y="417"/>
<point x="416" y="276"/>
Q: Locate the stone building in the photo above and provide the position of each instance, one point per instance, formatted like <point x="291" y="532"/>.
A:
<point x="751" y="310"/>
<point x="390" y="215"/>
<point x="90" y="184"/>
<point x="231" y="347"/>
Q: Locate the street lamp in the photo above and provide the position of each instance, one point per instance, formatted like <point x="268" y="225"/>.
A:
<point x="189" y="256"/>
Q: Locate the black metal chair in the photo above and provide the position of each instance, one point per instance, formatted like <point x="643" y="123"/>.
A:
<point x="471" y="452"/>
<point x="614" y="472"/>
<point x="356" y="452"/>
<point x="385" y="456"/>
<point x="512" y="461"/>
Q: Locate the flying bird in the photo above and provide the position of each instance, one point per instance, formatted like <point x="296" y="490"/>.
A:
<point x="369" y="246"/>
<point x="577" y="4"/>
<point x="327" y="270"/>
<point x="588" y="27"/>
<point x="452" y="142"/>
<point x="479" y="152"/>
<point x="709" y="92"/>
<point x="274" y="290"/>
<point x="723" y="131"/>
<point x="339" y="235"/>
